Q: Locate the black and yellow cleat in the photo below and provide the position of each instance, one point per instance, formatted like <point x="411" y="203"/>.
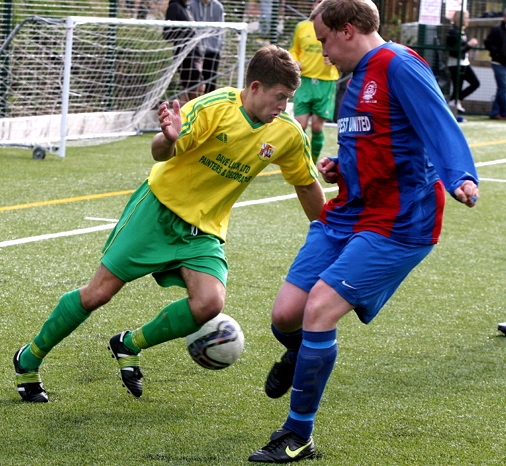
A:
<point x="29" y="383"/>
<point x="129" y="365"/>
<point x="285" y="447"/>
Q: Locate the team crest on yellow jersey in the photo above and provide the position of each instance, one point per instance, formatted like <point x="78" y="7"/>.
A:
<point x="266" y="151"/>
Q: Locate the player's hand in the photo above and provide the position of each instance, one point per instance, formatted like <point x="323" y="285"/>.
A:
<point x="467" y="193"/>
<point x="328" y="169"/>
<point x="170" y="120"/>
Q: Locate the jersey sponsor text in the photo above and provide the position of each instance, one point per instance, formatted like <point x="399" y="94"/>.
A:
<point x="355" y="124"/>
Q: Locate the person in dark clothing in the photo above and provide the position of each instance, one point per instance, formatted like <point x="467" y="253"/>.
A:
<point x="459" y="65"/>
<point x="190" y="71"/>
<point x="210" y="11"/>
<point x="495" y="43"/>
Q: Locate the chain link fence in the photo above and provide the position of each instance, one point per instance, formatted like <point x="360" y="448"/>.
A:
<point x="273" y="21"/>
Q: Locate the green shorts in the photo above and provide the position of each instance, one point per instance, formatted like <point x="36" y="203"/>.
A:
<point x="315" y="97"/>
<point x="151" y="239"/>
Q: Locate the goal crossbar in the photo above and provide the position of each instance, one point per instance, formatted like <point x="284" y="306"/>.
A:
<point x="72" y="21"/>
<point x="69" y="71"/>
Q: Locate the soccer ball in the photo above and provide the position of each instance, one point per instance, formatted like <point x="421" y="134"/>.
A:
<point x="218" y="344"/>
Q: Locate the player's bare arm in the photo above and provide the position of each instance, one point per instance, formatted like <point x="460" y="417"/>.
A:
<point x="162" y="147"/>
<point x="311" y="198"/>
<point x="467" y="193"/>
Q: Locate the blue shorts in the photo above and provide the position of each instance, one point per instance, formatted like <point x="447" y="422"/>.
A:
<point x="364" y="268"/>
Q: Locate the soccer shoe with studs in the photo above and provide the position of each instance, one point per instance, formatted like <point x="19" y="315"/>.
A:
<point x="280" y="377"/>
<point x="502" y="327"/>
<point x="128" y="361"/>
<point x="285" y="447"/>
<point x="28" y="383"/>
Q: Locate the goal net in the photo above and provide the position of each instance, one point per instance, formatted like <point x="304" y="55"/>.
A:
<point x="94" y="79"/>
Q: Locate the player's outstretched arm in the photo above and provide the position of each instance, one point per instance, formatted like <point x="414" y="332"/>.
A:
<point x="467" y="193"/>
<point x="311" y="198"/>
<point x="162" y="147"/>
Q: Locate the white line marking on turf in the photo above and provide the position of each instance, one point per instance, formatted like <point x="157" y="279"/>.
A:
<point x="491" y="162"/>
<point x="493" y="179"/>
<point x="99" y="219"/>
<point x="80" y="231"/>
<point x="110" y="226"/>
<point x="275" y="199"/>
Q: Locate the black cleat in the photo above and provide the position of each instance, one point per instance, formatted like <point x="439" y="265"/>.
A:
<point x="285" y="446"/>
<point x="502" y="327"/>
<point x="29" y="384"/>
<point x="280" y="377"/>
<point x="128" y="361"/>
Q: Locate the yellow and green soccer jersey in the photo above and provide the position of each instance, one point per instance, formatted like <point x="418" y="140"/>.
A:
<point x="218" y="152"/>
<point x="307" y="50"/>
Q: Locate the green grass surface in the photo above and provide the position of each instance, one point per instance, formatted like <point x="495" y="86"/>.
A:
<point x="423" y="384"/>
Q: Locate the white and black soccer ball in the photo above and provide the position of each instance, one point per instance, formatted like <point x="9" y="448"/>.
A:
<point x="218" y="344"/>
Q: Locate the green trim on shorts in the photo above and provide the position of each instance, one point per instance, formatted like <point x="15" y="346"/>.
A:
<point x="151" y="239"/>
<point x="315" y="97"/>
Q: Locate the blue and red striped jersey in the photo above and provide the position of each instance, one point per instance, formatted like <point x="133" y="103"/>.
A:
<point x="399" y="144"/>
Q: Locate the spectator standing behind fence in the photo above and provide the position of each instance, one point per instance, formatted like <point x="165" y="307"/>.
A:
<point x="458" y="60"/>
<point x="495" y="43"/>
<point x="316" y="97"/>
<point x="190" y="71"/>
<point x="210" y="11"/>
<point x="265" y="17"/>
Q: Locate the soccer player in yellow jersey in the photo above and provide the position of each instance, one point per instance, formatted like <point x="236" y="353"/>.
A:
<point x="175" y="225"/>
<point x="316" y="97"/>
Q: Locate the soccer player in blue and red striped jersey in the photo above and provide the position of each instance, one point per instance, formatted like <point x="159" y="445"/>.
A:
<point x="399" y="148"/>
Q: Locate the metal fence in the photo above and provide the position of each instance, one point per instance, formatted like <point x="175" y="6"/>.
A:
<point x="273" y="21"/>
<point x="430" y="42"/>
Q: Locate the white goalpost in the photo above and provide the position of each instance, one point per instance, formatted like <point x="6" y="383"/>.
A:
<point x="89" y="79"/>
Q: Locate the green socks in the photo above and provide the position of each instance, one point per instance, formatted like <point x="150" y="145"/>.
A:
<point x="174" y="321"/>
<point x="65" y="318"/>
<point x="317" y="141"/>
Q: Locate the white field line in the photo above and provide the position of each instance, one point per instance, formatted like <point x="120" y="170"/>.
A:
<point x="80" y="231"/>
<point x="110" y="226"/>
<point x="491" y="162"/>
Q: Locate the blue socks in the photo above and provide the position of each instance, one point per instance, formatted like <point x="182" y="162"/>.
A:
<point x="291" y="341"/>
<point x="315" y="362"/>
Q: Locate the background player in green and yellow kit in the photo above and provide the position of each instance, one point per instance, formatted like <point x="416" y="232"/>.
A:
<point x="175" y="224"/>
<point x="316" y="97"/>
